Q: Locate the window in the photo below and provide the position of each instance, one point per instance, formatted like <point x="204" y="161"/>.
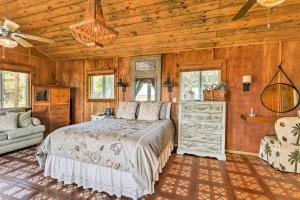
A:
<point x="193" y="83"/>
<point x="145" y="90"/>
<point x="102" y="86"/>
<point x="14" y="89"/>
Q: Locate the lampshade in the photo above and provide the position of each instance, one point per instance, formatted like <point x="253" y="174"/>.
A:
<point x="247" y="79"/>
<point x="92" y="31"/>
<point x="7" y="42"/>
<point x="270" y="3"/>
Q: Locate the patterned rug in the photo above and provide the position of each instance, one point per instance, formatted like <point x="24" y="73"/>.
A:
<point x="184" y="177"/>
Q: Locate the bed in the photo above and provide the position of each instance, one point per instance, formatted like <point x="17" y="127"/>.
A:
<point x="119" y="156"/>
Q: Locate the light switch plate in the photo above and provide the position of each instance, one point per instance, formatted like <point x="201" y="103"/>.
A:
<point x="174" y="100"/>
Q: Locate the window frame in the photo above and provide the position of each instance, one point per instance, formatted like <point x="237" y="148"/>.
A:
<point x="89" y="88"/>
<point x="28" y="88"/>
<point x="200" y="79"/>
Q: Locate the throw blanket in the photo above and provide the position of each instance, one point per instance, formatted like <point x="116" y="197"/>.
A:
<point x="129" y="145"/>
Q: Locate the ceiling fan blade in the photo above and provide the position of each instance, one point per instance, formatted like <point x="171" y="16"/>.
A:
<point x="10" y="25"/>
<point x="246" y="7"/>
<point x="32" y="37"/>
<point x="21" y="41"/>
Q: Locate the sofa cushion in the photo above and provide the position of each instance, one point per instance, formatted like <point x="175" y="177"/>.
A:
<point x="29" y="137"/>
<point x="3" y="136"/>
<point x="24" y="119"/>
<point x="21" y="132"/>
<point x="8" y="122"/>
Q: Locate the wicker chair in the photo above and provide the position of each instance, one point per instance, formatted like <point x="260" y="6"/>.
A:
<point x="283" y="150"/>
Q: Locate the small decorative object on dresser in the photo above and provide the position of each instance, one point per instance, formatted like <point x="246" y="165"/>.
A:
<point x="202" y="128"/>
<point x="51" y="104"/>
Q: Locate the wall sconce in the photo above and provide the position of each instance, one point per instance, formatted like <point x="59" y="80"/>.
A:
<point x="122" y="84"/>
<point x="169" y="83"/>
<point x="246" y="83"/>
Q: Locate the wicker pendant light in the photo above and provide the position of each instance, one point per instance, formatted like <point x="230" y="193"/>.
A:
<point x="92" y="31"/>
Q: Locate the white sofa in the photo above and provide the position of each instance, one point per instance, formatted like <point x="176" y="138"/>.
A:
<point x="21" y="137"/>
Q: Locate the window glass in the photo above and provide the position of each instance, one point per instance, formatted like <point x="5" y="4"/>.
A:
<point x="102" y="86"/>
<point x="14" y="89"/>
<point x="145" y="90"/>
<point x="193" y="83"/>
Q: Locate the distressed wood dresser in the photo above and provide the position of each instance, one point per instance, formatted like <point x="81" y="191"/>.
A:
<point x="202" y="128"/>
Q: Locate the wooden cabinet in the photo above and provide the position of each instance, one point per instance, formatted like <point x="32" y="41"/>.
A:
<point x="202" y="128"/>
<point x="51" y="104"/>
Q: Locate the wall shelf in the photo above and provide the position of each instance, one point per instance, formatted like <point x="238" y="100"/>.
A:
<point x="259" y="119"/>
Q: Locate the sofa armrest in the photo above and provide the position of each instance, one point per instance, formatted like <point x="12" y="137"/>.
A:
<point x="36" y="121"/>
<point x="22" y="132"/>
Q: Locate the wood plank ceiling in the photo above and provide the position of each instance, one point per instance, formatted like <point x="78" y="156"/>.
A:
<point x="154" y="26"/>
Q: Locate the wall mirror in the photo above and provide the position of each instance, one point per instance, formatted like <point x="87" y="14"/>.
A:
<point x="146" y="78"/>
<point x="280" y="97"/>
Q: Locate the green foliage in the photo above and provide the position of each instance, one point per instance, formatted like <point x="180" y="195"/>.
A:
<point x="102" y="86"/>
<point x="15" y="89"/>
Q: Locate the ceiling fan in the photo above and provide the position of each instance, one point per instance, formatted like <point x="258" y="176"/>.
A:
<point x="250" y="3"/>
<point x="10" y="35"/>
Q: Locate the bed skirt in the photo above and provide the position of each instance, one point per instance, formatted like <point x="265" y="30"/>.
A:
<point x="100" y="178"/>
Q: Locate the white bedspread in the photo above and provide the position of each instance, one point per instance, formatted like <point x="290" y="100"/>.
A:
<point x="126" y="145"/>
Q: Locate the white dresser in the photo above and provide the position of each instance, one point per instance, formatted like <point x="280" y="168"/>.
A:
<point x="202" y="128"/>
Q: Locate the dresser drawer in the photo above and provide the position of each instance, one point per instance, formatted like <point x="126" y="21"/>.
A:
<point x="203" y="117"/>
<point x="191" y="126"/>
<point x="201" y="108"/>
<point x="201" y="146"/>
<point x="59" y="109"/>
<point x="59" y="95"/>
<point x="206" y="138"/>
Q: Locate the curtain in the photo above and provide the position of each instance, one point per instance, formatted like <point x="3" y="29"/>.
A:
<point x="138" y="86"/>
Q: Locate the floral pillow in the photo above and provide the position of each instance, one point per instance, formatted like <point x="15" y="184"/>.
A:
<point x="149" y="111"/>
<point x="127" y="110"/>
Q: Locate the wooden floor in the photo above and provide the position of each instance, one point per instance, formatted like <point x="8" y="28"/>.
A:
<point x="184" y="177"/>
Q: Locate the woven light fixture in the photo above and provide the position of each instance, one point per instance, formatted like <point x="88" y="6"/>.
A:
<point x="92" y="31"/>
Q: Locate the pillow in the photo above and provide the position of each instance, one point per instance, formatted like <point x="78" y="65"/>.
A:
<point x="127" y="110"/>
<point x="165" y="111"/>
<point x="24" y="119"/>
<point x="36" y="121"/>
<point x="149" y="110"/>
<point x="8" y="122"/>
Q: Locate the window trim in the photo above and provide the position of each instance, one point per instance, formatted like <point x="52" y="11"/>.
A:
<point x="88" y="91"/>
<point x="28" y="88"/>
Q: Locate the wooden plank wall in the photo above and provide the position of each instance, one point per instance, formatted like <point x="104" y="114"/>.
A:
<point x="259" y="60"/>
<point x="43" y="68"/>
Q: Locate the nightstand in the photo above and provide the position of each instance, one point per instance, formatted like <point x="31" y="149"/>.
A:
<point x="99" y="117"/>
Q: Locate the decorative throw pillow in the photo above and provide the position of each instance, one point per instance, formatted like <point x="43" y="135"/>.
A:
<point x="36" y="121"/>
<point x="165" y="111"/>
<point x="149" y="110"/>
<point x="8" y="122"/>
<point x="127" y="110"/>
<point x="24" y="119"/>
